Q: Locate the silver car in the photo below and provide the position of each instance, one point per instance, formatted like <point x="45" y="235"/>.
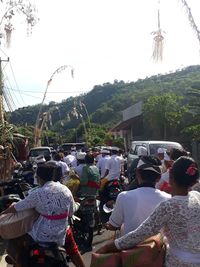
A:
<point x="151" y="146"/>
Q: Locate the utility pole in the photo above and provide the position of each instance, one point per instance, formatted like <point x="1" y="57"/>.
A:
<point x="1" y="92"/>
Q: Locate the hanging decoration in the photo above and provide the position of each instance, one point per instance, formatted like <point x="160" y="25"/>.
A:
<point x="158" y="38"/>
<point x="191" y="19"/>
<point x="11" y="9"/>
<point x="8" y="30"/>
<point x="37" y="138"/>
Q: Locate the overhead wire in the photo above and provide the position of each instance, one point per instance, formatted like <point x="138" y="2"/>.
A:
<point x="29" y="95"/>
<point x="9" y="88"/>
<point x="14" y="77"/>
<point x="8" y="80"/>
<point x="9" y="97"/>
<point x="16" y="83"/>
<point x="4" y="53"/>
<point x="5" y="96"/>
<point x="57" y="92"/>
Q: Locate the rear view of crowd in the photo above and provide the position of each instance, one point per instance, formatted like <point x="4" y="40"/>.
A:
<point x="165" y="200"/>
<point x="160" y="195"/>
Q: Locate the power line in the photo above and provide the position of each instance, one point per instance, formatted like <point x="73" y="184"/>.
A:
<point x="9" y="97"/>
<point x="6" y="98"/>
<point x="16" y="83"/>
<point x="40" y="92"/>
<point x="29" y="95"/>
<point x="8" y="80"/>
<point x="13" y="75"/>
<point x="4" y="52"/>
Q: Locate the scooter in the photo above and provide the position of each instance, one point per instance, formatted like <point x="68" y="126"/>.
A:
<point x="13" y="191"/>
<point x="41" y="254"/>
<point x="83" y="223"/>
<point x="108" y="197"/>
<point x="36" y="254"/>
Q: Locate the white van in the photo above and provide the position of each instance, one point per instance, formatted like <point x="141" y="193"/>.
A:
<point x="151" y="146"/>
<point x="38" y="151"/>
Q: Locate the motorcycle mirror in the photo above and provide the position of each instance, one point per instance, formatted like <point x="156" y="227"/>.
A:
<point x="107" y="209"/>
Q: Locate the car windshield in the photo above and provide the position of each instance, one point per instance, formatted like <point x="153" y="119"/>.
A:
<point x="38" y="152"/>
<point x="67" y="147"/>
<point x="154" y="147"/>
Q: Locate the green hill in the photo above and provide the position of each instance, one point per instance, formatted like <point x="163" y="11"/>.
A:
<point x="105" y="102"/>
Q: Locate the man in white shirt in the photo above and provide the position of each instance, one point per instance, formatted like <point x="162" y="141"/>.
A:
<point x="80" y="156"/>
<point x="133" y="207"/>
<point x="63" y="165"/>
<point x="70" y="159"/>
<point x="113" y="166"/>
<point x="161" y="153"/>
<point x="101" y="164"/>
<point x="38" y="161"/>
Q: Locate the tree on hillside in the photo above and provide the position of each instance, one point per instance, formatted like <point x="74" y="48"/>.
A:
<point x="162" y="113"/>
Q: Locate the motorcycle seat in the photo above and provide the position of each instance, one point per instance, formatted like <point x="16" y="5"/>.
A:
<point x="47" y="244"/>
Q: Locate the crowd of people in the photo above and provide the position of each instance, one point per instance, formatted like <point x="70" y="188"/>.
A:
<point x="161" y="197"/>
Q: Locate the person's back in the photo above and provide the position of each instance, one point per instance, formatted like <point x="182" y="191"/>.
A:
<point x="54" y="203"/>
<point x="138" y="204"/>
<point x="80" y="163"/>
<point x="90" y="177"/>
<point x="113" y="166"/>
<point x="65" y="168"/>
<point x="184" y="221"/>
<point x="134" y="206"/>
<point x="101" y="164"/>
<point x="178" y="218"/>
<point x="141" y="151"/>
<point x="70" y="160"/>
<point x="50" y="200"/>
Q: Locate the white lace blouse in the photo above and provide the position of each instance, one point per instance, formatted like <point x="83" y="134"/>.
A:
<point x="51" y="199"/>
<point x="179" y="219"/>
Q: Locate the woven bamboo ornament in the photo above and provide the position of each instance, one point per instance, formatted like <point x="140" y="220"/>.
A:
<point x="158" y="44"/>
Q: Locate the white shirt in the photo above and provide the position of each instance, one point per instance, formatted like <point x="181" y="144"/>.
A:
<point x="114" y="167"/>
<point x="179" y="219"/>
<point x="51" y="199"/>
<point x="133" y="207"/>
<point x="71" y="159"/>
<point x="164" y="178"/>
<point x="78" y="169"/>
<point x="64" y="166"/>
<point x="101" y="164"/>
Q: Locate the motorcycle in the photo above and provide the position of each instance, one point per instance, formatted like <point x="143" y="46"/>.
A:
<point x="24" y="171"/>
<point x="41" y="254"/>
<point x="36" y="254"/>
<point x="83" y="222"/>
<point x="13" y="191"/>
<point x="108" y="197"/>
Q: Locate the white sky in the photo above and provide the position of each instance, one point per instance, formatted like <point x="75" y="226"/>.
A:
<point x="103" y="40"/>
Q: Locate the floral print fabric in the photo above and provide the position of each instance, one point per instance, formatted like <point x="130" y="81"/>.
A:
<point x="51" y="199"/>
<point x="179" y="219"/>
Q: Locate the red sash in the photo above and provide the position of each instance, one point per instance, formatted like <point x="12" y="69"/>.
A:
<point x="93" y="184"/>
<point x="56" y="217"/>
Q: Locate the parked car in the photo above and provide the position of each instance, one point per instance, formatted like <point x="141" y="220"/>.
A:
<point x="151" y="146"/>
<point x="38" y="151"/>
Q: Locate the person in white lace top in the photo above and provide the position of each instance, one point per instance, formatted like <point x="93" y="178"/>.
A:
<point x="54" y="203"/>
<point x="178" y="218"/>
